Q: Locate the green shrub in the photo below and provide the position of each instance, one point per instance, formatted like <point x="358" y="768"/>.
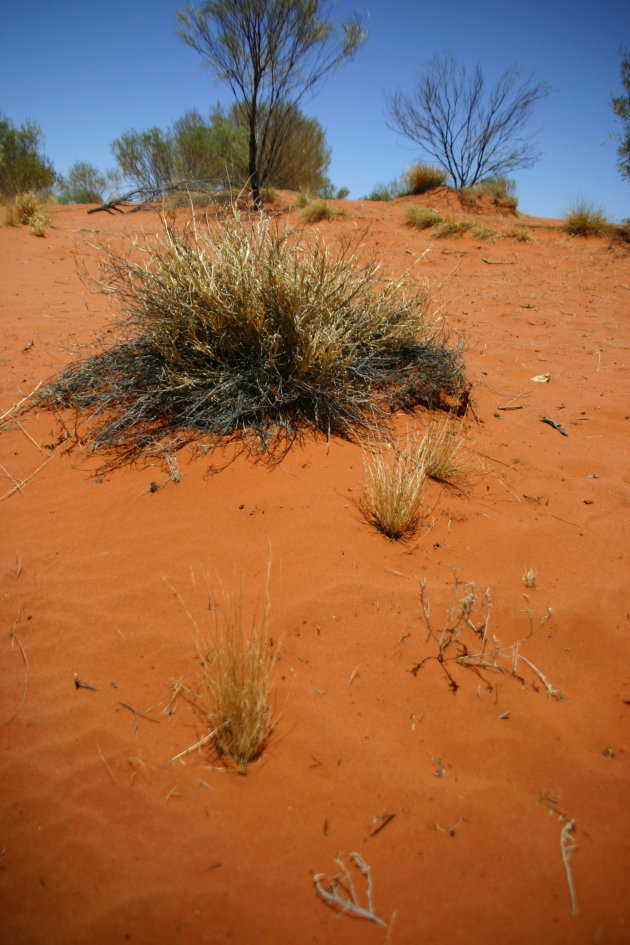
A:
<point x="423" y="177"/>
<point x="245" y="330"/>
<point x="85" y="184"/>
<point x="422" y="217"/>
<point x="23" y="167"/>
<point x="584" y="220"/>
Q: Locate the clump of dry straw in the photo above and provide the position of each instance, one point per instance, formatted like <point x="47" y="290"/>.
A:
<point x="239" y="328"/>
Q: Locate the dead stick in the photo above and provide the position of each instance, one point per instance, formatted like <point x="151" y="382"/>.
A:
<point x="137" y="713"/>
<point x="15" y="637"/>
<point x="24" y="481"/>
<point x="202" y="741"/>
<point x="12" y="409"/>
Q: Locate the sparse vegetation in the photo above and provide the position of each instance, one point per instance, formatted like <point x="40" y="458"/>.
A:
<point x="500" y="190"/>
<point x="620" y="105"/>
<point x="442" y="453"/>
<point x="23" y="166"/>
<point x="318" y="210"/>
<point x="393" y="489"/>
<point x="520" y="234"/>
<point x="422" y="217"/>
<point x="452" y="228"/>
<point x="529" y="577"/>
<point x="86" y="184"/>
<point x="471" y="134"/>
<point x="585" y="220"/>
<point x="386" y="192"/>
<point x="26" y="210"/>
<point x="424" y="177"/>
<point x="236" y="671"/>
<point x="465" y="639"/>
<point x="244" y="330"/>
<point x="483" y="232"/>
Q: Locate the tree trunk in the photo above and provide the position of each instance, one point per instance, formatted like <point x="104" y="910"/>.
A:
<point x="253" y="162"/>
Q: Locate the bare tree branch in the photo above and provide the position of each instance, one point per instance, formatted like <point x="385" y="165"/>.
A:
<point x="469" y="133"/>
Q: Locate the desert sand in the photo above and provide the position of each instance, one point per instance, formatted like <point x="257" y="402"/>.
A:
<point x="488" y="806"/>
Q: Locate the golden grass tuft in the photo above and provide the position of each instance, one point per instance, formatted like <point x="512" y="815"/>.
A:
<point x="26" y="210"/>
<point x="529" y="577"/>
<point x="236" y="673"/>
<point x="519" y="234"/>
<point x="422" y="217"/>
<point x="424" y="177"/>
<point x="393" y="486"/>
<point x="317" y="210"/>
<point x="448" y="228"/>
<point x="442" y="453"/>
<point x="585" y="220"/>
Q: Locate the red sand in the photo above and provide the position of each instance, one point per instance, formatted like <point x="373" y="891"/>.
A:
<point x="103" y="842"/>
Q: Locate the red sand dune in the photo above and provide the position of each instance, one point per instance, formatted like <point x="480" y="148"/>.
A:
<point x="102" y="841"/>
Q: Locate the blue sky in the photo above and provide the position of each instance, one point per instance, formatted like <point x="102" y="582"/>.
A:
<point x="88" y="71"/>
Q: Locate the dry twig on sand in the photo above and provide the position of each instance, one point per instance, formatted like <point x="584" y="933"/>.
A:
<point x="568" y="847"/>
<point x="15" y="639"/>
<point x="464" y="638"/>
<point x="339" y="893"/>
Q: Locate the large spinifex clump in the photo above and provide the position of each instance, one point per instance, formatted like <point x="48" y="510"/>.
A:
<point x="241" y="328"/>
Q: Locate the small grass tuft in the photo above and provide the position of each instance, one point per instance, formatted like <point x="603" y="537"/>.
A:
<point x="26" y="210"/>
<point x="321" y="210"/>
<point x="424" y="177"/>
<point x="393" y="488"/>
<point x="500" y="190"/>
<point x="529" y="577"/>
<point x="236" y="671"/>
<point x="483" y="233"/>
<point x="519" y="234"/>
<point x="448" y="228"/>
<point x="422" y="217"/>
<point x="585" y="220"/>
<point x="442" y="453"/>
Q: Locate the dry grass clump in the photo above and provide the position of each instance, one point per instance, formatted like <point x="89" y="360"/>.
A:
<point x="520" y="235"/>
<point x="442" y="453"/>
<point x="452" y="228"/>
<point x="424" y="177"/>
<point x="393" y="488"/>
<point x="585" y="220"/>
<point x="422" y="217"/>
<point x="500" y="190"/>
<point x="318" y="210"/>
<point x="483" y="232"/>
<point x="236" y="671"/>
<point x="529" y="577"/>
<point x="242" y="329"/>
<point x="26" y="210"/>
